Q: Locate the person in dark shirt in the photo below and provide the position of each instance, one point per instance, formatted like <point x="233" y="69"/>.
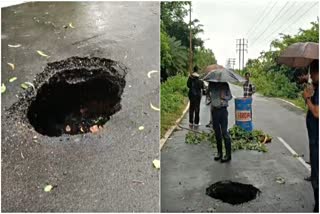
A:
<point x="195" y="86"/>
<point x="311" y="96"/>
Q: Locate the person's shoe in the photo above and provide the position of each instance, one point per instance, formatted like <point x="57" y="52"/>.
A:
<point x="226" y="159"/>
<point x="218" y="157"/>
<point x="190" y="125"/>
<point x="307" y="178"/>
<point x="208" y="125"/>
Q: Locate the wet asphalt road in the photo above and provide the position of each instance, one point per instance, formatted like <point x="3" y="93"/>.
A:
<point x="108" y="171"/>
<point x="187" y="170"/>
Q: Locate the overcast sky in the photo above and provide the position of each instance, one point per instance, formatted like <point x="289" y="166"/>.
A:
<point x="226" y="21"/>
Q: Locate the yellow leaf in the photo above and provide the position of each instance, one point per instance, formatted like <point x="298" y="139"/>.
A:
<point x="48" y="188"/>
<point x="11" y="65"/>
<point x="68" y="128"/>
<point x="70" y="25"/>
<point x="154" y="108"/>
<point x="3" y="88"/>
<point x="42" y="54"/>
<point x="156" y="163"/>
<point x="14" y="46"/>
<point x="12" y="79"/>
<point x="141" y="128"/>
<point x="151" y="72"/>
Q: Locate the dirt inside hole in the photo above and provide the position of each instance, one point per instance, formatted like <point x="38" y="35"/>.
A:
<point x="232" y="192"/>
<point x="77" y="98"/>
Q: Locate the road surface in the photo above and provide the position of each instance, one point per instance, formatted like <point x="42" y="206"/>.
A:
<point x="187" y="170"/>
<point x="110" y="171"/>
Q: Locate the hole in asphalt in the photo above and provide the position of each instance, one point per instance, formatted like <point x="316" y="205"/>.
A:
<point x="232" y="192"/>
<point x="80" y="93"/>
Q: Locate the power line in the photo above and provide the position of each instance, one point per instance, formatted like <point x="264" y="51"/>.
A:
<point x="298" y="17"/>
<point x="292" y="15"/>
<point x="273" y="20"/>
<point x="257" y="24"/>
<point x="259" y="20"/>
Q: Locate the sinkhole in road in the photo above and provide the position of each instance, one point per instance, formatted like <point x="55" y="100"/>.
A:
<point x="232" y="192"/>
<point x="80" y="93"/>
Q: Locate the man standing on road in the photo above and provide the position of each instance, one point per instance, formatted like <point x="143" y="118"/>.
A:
<point x="311" y="96"/>
<point x="220" y="95"/>
<point x="248" y="88"/>
<point x="195" y="86"/>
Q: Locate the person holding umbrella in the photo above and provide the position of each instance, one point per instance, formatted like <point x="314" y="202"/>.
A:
<point x="311" y="96"/>
<point x="195" y="86"/>
<point x="301" y="55"/>
<point x="220" y="96"/>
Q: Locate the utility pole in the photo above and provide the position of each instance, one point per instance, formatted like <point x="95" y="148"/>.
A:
<point x="244" y="48"/>
<point x="190" y="51"/>
<point x="238" y="49"/>
<point x="232" y="62"/>
<point x="241" y="46"/>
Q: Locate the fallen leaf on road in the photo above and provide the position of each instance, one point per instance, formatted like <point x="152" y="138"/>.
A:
<point x="71" y="25"/>
<point x="11" y="65"/>
<point x="141" y="128"/>
<point x="151" y="72"/>
<point x="280" y="180"/>
<point x="42" y="54"/>
<point x="154" y="108"/>
<point x="139" y="182"/>
<point x="14" y="46"/>
<point x="297" y="156"/>
<point x="24" y="86"/>
<point x="48" y="188"/>
<point x="12" y="79"/>
<point x="21" y="155"/>
<point x="3" y="88"/>
<point x="68" y="129"/>
<point x="156" y="163"/>
<point x="81" y="129"/>
<point x="94" y="129"/>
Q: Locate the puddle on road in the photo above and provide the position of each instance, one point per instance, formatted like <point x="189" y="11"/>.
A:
<point x="232" y="192"/>
<point x="74" y="95"/>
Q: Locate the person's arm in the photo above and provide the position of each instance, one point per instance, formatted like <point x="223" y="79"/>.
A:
<point x="226" y="93"/>
<point x="189" y="82"/>
<point x="313" y="107"/>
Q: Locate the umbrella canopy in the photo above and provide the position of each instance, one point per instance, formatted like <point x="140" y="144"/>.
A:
<point x="223" y="75"/>
<point x="299" y="54"/>
<point x="213" y="67"/>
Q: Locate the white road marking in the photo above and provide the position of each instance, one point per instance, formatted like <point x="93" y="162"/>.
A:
<point x="294" y="153"/>
<point x="289" y="103"/>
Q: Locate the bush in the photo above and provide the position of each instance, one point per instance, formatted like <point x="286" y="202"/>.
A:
<point x="174" y="94"/>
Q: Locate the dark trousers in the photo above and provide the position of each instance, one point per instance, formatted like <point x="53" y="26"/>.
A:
<point x="194" y="109"/>
<point x="314" y="161"/>
<point x="220" y="126"/>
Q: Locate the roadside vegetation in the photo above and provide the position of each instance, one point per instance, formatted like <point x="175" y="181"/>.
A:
<point x="175" y="49"/>
<point x="275" y="80"/>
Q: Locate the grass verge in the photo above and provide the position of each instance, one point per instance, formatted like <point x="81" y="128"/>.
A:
<point x="173" y="101"/>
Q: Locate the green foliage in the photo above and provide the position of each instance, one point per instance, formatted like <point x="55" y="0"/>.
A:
<point x="175" y="40"/>
<point x="276" y="80"/>
<point x="173" y="100"/>
<point x="204" y="57"/>
<point x="241" y="139"/>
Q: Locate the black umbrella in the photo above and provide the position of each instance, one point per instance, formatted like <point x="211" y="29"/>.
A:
<point x="223" y="75"/>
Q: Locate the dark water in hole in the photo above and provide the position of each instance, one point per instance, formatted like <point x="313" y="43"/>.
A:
<point x="77" y="98"/>
<point x="232" y="192"/>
